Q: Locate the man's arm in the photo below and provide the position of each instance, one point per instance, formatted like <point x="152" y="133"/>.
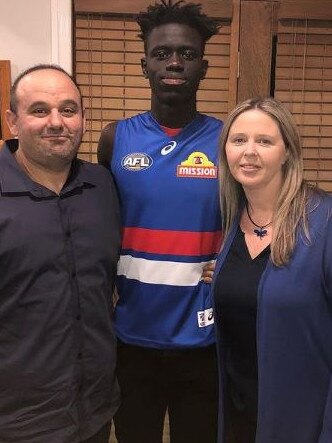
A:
<point x="105" y="145"/>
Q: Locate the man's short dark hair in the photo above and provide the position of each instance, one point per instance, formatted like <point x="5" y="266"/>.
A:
<point x="180" y="12"/>
<point x="39" y="67"/>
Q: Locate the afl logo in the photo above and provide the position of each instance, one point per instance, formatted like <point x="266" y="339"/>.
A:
<point x="136" y="161"/>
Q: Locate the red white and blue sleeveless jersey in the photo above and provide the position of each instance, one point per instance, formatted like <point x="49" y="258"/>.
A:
<point x="168" y="192"/>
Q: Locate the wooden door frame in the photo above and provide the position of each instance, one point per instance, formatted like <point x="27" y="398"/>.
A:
<point x="5" y="84"/>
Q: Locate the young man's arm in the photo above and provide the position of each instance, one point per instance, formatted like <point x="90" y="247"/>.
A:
<point x="105" y="145"/>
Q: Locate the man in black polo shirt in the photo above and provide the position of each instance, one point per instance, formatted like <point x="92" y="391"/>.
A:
<point x="59" y="228"/>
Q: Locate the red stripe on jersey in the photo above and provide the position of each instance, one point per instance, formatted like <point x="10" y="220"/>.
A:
<point x="171" y="242"/>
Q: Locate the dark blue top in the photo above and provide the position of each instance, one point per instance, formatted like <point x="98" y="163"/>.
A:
<point x="58" y="256"/>
<point x="294" y="338"/>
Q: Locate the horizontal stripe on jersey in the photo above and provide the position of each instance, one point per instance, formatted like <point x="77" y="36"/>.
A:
<point x="160" y="272"/>
<point x="171" y="242"/>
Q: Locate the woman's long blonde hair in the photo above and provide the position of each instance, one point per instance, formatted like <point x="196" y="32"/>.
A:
<point x="291" y="210"/>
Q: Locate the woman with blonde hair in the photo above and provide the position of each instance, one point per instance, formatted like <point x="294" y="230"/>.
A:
<point x="272" y="284"/>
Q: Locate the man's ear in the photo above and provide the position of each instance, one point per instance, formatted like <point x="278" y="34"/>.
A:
<point x="205" y="65"/>
<point x="84" y="120"/>
<point x="11" y="119"/>
<point x="144" y="67"/>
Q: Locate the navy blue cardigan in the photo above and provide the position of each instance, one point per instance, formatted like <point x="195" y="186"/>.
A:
<point x="294" y="339"/>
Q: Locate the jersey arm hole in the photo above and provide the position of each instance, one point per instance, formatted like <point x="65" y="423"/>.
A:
<point x="106" y="144"/>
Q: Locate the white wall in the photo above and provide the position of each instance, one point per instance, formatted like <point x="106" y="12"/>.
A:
<point x="35" y="31"/>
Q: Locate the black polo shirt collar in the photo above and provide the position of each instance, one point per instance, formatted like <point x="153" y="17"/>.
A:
<point x="14" y="180"/>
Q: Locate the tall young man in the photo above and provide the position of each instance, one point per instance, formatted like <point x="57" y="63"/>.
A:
<point x="60" y="237"/>
<point x="164" y="164"/>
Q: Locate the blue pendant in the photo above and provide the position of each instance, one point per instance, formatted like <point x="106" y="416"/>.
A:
<point x="260" y="232"/>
